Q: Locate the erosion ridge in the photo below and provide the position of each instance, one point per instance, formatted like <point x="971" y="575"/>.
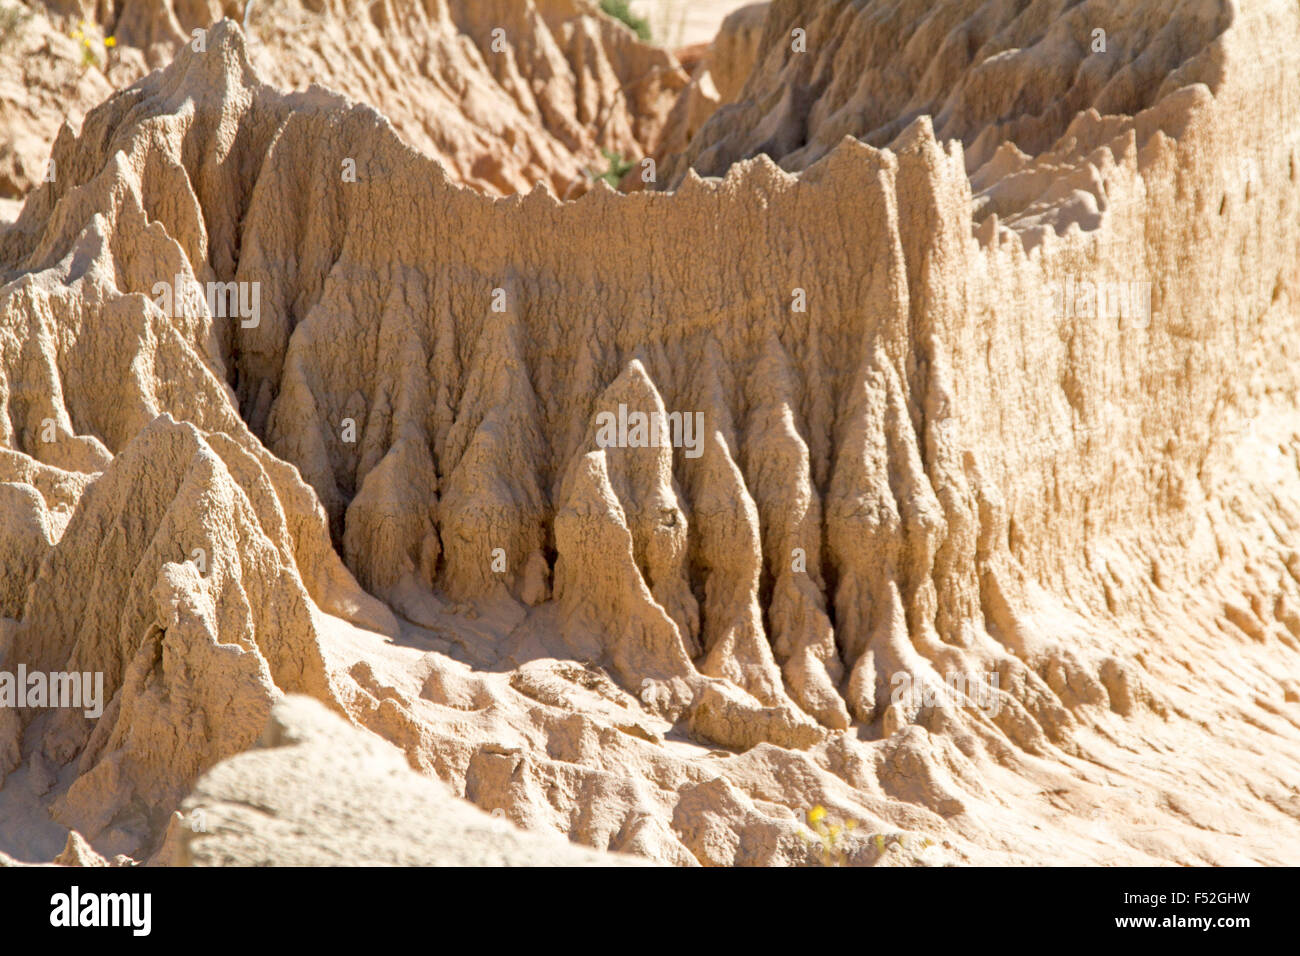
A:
<point x="502" y="94"/>
<point x="927" y="473"/>
<point x="872" y="69"/>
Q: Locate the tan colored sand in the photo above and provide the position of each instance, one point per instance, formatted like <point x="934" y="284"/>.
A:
<point x="927" y="475"/>
<point x="539" y="103"/>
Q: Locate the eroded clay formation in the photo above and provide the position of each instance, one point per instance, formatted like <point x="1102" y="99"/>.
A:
<point x="503" y="93"/>
<point x="985" y="541"/>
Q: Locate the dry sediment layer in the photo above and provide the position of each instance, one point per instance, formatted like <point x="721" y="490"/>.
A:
<point x="504" y="94"/>
<point x="925" y="471"/>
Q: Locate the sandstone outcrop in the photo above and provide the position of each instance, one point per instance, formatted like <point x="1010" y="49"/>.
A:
<point x="297" y="799"/>
<point x="504" y="94"/>
<point x="928" y="453"/>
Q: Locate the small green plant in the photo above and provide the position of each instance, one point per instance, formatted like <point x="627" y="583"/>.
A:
<point x="618" y="167"/>
<point x="909" y="848"/>
<point x="91" y="44"/>
<point x="831" y="836"/>
<point x="619" y="10"/>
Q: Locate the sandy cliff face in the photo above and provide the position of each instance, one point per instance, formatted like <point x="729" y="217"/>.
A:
<point x="503" y="94"/>
<point x="974" y="517"/>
